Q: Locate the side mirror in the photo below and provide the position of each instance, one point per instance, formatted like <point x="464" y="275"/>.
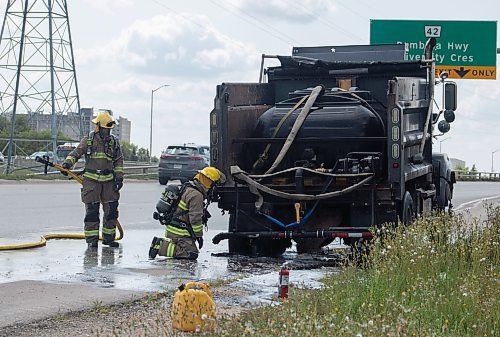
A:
<point x="450" y="96"/>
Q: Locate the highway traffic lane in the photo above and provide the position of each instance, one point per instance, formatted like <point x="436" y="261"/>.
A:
<point x="33" y="208"/>
<point x="30" y="209"/>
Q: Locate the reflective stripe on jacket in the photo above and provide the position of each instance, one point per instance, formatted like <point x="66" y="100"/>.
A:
<point x="104" y="156"/>
<point x="191" y="208"/>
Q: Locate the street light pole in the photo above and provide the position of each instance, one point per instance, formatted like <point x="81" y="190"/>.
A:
<point x="151" y="125"/>
<point x="492" y="153"/>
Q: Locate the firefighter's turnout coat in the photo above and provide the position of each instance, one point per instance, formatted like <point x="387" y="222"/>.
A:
<point x="103" y="165"/>
<point x="179" y="242"/>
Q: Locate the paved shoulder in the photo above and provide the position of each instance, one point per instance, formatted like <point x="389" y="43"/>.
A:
<point x="27" y="301"/>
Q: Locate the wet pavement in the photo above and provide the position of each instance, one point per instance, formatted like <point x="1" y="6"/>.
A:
<point x="128" y="267"/>
<point x="66" y="267"/>
<point x="66" y="276"/>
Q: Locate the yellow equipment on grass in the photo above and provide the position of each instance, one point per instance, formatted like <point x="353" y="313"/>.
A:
<point x="44" y="238"/>
<point x="193" y="309"/>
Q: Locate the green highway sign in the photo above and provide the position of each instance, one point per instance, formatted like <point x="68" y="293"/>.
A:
<point x="465" y="49"/>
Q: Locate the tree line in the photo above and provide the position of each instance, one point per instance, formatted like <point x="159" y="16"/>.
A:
<point x="41" y="140"/>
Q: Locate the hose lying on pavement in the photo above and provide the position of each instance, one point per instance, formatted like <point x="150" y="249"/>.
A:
<point x="44" y="238"/>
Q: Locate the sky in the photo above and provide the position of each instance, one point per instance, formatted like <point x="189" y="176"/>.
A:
<point x="126" y="48"/>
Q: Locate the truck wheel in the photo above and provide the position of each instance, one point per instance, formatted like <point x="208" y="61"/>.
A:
<point x="271" y="247"/>
<point x="239" y="246"/>
<point x="163" y="180"/>
<point x="254" y="246"/>
<point x="448" y="194"/>
<point x="407" y="211"/>
<point x="258" y="247"/>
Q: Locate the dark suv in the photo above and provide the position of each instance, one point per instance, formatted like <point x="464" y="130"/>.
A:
<point x="182" y="162"/>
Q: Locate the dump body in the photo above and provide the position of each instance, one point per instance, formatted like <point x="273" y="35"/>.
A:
<point x="309" y="169"/>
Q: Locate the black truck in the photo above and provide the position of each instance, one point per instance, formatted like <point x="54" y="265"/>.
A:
<point x="335" y="142"/>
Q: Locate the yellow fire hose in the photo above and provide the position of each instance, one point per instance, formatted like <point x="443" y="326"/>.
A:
<point x="44" y="238"/>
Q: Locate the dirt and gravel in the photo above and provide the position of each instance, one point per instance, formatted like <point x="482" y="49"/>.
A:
<point x="148" y="316"/>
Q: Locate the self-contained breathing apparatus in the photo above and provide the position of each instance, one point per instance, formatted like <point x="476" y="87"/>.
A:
<point x="167" y="206"/>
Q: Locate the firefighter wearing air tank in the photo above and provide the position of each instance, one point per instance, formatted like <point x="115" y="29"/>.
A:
<point x="184" y="222"/>
<point x="102" y="179"/>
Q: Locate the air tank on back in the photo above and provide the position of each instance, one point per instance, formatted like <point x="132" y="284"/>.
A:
<point x="340" y="122"/>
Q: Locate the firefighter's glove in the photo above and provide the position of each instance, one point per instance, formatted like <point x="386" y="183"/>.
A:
<point x="66" y="166"/>
<point x="206" y="215"/>
<point x="200" y="242"/>
<point x="117" y="185"/>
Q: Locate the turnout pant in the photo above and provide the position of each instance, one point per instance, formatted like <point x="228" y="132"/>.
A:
<point x="181" y="247"/>
<point x="93" y="194"/>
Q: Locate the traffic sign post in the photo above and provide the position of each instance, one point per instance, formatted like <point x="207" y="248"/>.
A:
<point x="464" y="49"/>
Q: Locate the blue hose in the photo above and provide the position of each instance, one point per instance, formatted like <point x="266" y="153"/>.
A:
<point x="306" y="217"/>
<point x="292" y="224"/>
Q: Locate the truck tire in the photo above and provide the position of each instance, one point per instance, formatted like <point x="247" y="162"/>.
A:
<point x="163" y="180"/>
<point x="407" y="210"/>
<point x="254" y="246"/>
<point x="448" y="194"/>
<point x="258" y="247"/>
<point x="239" y="246"/>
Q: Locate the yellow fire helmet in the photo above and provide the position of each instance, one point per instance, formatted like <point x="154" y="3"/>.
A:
<point x="211" y="173"/>
<point x="104" y="120"/>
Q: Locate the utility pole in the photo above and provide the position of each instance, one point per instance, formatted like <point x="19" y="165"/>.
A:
<point x="492" y="153"/>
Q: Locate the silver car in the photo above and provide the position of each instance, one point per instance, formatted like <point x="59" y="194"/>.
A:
<point x="182" y="162"/>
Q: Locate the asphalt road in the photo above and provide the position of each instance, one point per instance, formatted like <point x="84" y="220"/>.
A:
<point x="29" y="209"/>
<point x="65" y="276"/>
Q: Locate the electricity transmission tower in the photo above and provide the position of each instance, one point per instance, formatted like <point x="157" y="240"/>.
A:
<point x="37" y="68"/>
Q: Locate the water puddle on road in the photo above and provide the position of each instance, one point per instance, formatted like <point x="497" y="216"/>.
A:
<point x="128" y="268"/>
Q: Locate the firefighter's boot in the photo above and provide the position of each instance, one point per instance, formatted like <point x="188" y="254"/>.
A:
<point x="155" y="247"/>
<point x="92" y="244"/>
<point x="112" y="244"/>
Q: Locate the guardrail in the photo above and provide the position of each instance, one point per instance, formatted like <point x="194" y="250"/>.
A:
<point x="130" y="167"/>
<point x="144" y="170"/>
<point x="477" y="176"/>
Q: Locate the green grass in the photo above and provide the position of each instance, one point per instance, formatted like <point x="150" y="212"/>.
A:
<point x="439" y="277"/>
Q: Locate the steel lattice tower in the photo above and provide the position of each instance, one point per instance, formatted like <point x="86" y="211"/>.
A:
<point x="37" y="68"/>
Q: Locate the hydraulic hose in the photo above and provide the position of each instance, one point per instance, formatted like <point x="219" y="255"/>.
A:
<point x="44" y="238"/>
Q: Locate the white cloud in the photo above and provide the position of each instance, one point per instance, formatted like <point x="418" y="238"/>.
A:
<point x="190" y="55"/>
<point x="170" y="45"/>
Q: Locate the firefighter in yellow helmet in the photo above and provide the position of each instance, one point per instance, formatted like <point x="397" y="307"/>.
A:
<point x="102" y="179"/>
<point x="185" y="227"/>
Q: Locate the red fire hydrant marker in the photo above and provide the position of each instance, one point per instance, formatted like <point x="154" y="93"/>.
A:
<point x="283" y="283"/>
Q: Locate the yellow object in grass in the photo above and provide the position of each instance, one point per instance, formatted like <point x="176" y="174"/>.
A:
<point x="193" y="309"/>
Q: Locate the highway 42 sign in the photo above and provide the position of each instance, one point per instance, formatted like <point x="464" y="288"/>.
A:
<point x="464" y="49"/>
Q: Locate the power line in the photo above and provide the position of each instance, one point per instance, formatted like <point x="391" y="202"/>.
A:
<point x="222" y="36"/>
<point x="332" y="26"/>
<point x="372" y="9"/>
<point x="352" y="11"/>
<point x="290" y="39"/>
